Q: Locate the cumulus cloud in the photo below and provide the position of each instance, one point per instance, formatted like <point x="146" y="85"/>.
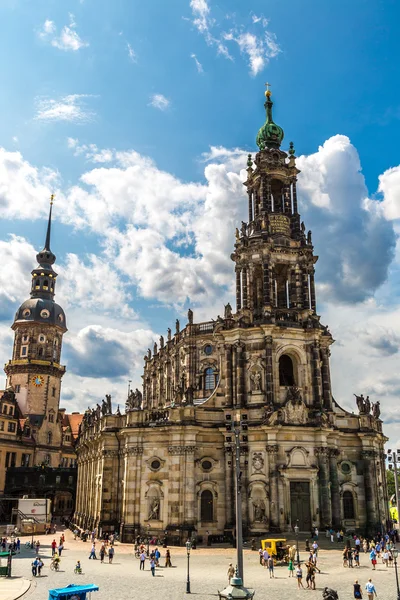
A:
<point x="259" y="49"/>
<point x="15" y="267"/>
<point x="70" y="108"/>
<point x="358" y="241"/>
<point x="106" y="352"/>
<point x="159" y="101"/>
<point x="67" y="39"/>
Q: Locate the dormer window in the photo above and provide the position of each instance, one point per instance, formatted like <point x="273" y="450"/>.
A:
<point x="25" y="339"/>
<point x="44" y="314"/>
<point x="26" y="313"/>
<point x="42" y="339"/>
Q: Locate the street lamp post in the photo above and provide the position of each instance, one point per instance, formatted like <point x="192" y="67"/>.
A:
<point x="296" y="532"/>
<point x="188" y="548"/>
<point x="394" y="462"/>
<point x="395" y="555"/>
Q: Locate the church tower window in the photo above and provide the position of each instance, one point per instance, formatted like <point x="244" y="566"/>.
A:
<point x="286" y="371"/>
<point x="49" y="437"/>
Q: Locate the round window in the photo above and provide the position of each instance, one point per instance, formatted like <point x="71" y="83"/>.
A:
<point x="208" y="349"/>
<point x="42" y="339"/>
<point x="44" y="313"/>
<point x="26" y="313"/>
<point x="346" y="468"/>
<point x="207" y="465"/>
<point x="155" y="465"/>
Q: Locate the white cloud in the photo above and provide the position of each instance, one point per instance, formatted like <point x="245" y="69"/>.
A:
<point x="131" y="53"/>
<point x="258" y="49"/>
<point x="67" y="39"/>
<point x="159" y="101"/>
<point x="198" y="64"/>
<point x="70" y="108"/>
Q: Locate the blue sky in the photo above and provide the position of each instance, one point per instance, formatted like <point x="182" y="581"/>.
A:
<point x="138" y="115"/>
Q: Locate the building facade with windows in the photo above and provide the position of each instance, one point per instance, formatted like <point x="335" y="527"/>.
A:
<point x="167" y="464"/>
<point x="34" y="430"/>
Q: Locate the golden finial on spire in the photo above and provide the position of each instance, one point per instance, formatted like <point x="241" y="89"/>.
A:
<point x="268" y="93"/>
<point x="52" y="199"/>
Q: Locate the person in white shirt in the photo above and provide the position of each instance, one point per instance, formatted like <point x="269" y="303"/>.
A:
<point x="265" y="557"/>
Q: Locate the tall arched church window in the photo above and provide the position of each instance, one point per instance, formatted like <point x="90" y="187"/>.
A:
<point x="348" y="505"/>
<point x="209" y="379"/>
<point x="286" y="371"/>
<point x="206" y="506"/>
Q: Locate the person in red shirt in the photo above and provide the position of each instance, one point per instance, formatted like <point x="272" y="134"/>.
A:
<point x="53" y="547"/>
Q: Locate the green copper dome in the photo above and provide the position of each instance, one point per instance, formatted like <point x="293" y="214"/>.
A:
<point x="270" y="135"/>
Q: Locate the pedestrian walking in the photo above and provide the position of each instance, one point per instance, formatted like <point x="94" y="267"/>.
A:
<point x="157" y="556"/>
<point x="357" y="589"/>
<point x="265" y="558"/>
<point x="111" y="552"/>
<point x="102" y="553"/>
<point x="37" y="547"/>
<point x="231" y="572"/>
<point x="18" y="545"/>
<point x="53" y="547"/>
<point x="316" y="533"/>
<point x="60" y="548"/>
<point x="93" y="552"/>
<point x="260" y="554"/>
<point x="370" y="589"/>
<point x="344" y="553"/>
<point x="365" y="545"/>
<point x="372" y="557"/>
<point x="168" y="559"/>
<point x="142" y="561"/>
<point x="385" y="557"/>
<point x="299" y="576"/>
<point x="39" y="566"/>
<point x="153" y="567"/>
<point x="291" y="568"/>
<point x="34" y="567"/>
<point x="270" y="565"/>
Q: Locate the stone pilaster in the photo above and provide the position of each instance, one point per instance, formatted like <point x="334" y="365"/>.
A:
<point x="272" y="451"/>
<point x="238" y="289"/>
<point x="326" y="379"/>
<point x="325" y="506"/>
<point x="370" y="489"/>
<point x="228" y="375"/>
<point x="333" y="454"/>
<point x="269" y="381"/>
<point x="316" y="374"/>
<point x="244" y="282"/>
<point x="266" y="284"/>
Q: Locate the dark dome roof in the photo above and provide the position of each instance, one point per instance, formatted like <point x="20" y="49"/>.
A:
<point x="40" y="310"/>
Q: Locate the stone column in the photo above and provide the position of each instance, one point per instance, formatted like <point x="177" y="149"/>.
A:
<point x="316" y="373"/>
<point x="294" y="196"/>
<point x="266" y="190"/>
<point x="244" y="283"/>
<point x="325" y="507"/>
<point x="269" y="378"/>
<point x="240" y="375"/>
<point x="234" y="376"/>
<point x="189" y="487"/>
<point x="238" y="289"/>
<point x="287" y="200"/>
<point x="266" y="284"/>
<point x="228" y="375"/>
<point x="333" y="454"/>
<point x="326" y="379"/>
<point x="250" y="193"/>
<point x="229" y="497"/>
<point x="312" y="291"/>
<point x="371" y="497"/>
<point x="305" y="291"/>
<point x="272" y="451"/>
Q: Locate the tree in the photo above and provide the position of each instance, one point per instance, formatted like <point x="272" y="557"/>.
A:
<point x="390" y="483"/>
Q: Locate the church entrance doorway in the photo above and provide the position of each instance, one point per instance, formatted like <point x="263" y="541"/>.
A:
<point x="300" y="504"/>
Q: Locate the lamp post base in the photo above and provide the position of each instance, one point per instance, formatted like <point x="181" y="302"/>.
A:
<point x="188" y="587"/>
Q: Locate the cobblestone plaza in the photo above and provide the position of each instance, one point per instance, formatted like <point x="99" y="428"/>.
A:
<point x="208" y="566"/>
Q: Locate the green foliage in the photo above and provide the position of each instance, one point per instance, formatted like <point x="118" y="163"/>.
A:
<point x="390" y="482"/>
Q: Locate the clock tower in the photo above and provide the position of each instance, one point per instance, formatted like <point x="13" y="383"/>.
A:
<point x="35" y="372"/>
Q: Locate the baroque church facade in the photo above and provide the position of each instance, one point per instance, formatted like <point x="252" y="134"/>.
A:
<point x="168" y="464"/>
<point x="34" y="430"/>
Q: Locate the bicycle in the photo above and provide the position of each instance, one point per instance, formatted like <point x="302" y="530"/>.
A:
<point x="55" y="566"/>
<point x="78" y="571"/>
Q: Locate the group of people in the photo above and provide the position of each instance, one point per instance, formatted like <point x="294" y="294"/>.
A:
<point x="153" y="557"/>
<point x="13" y="546"/>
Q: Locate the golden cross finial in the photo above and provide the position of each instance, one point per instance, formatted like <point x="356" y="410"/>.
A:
<point x="268" y="93"/>
<point x="52" y="199"/>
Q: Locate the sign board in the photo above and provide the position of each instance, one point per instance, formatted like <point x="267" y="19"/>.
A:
<point x="36" y="508"/>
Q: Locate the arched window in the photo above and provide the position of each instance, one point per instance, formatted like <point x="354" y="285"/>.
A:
<point x="348" y="505"/>
<point x="45" y="283"/>
<point x="206" y="506"/>
<point x="286" y="373"/>
<point x="40" y="352"/>
<point x="209" y="379"/>
<point x="49" y="437"/>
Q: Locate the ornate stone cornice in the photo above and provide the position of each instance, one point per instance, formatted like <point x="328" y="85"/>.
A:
<point x="322" y="451"/>
<point x="369" y="454"/>
<point x="133" y="451"/>
<point x="333" y="452"/>
<point x="272" y="448"/>
<point x="109" y="453"/>
<point x="179" y="450"/>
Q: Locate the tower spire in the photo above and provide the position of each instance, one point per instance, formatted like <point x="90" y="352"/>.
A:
<point x="270" y="135"/>
<point x="47" y="242"/>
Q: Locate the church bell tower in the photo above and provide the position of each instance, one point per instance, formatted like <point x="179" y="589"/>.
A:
<point x="35" y="372"/>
